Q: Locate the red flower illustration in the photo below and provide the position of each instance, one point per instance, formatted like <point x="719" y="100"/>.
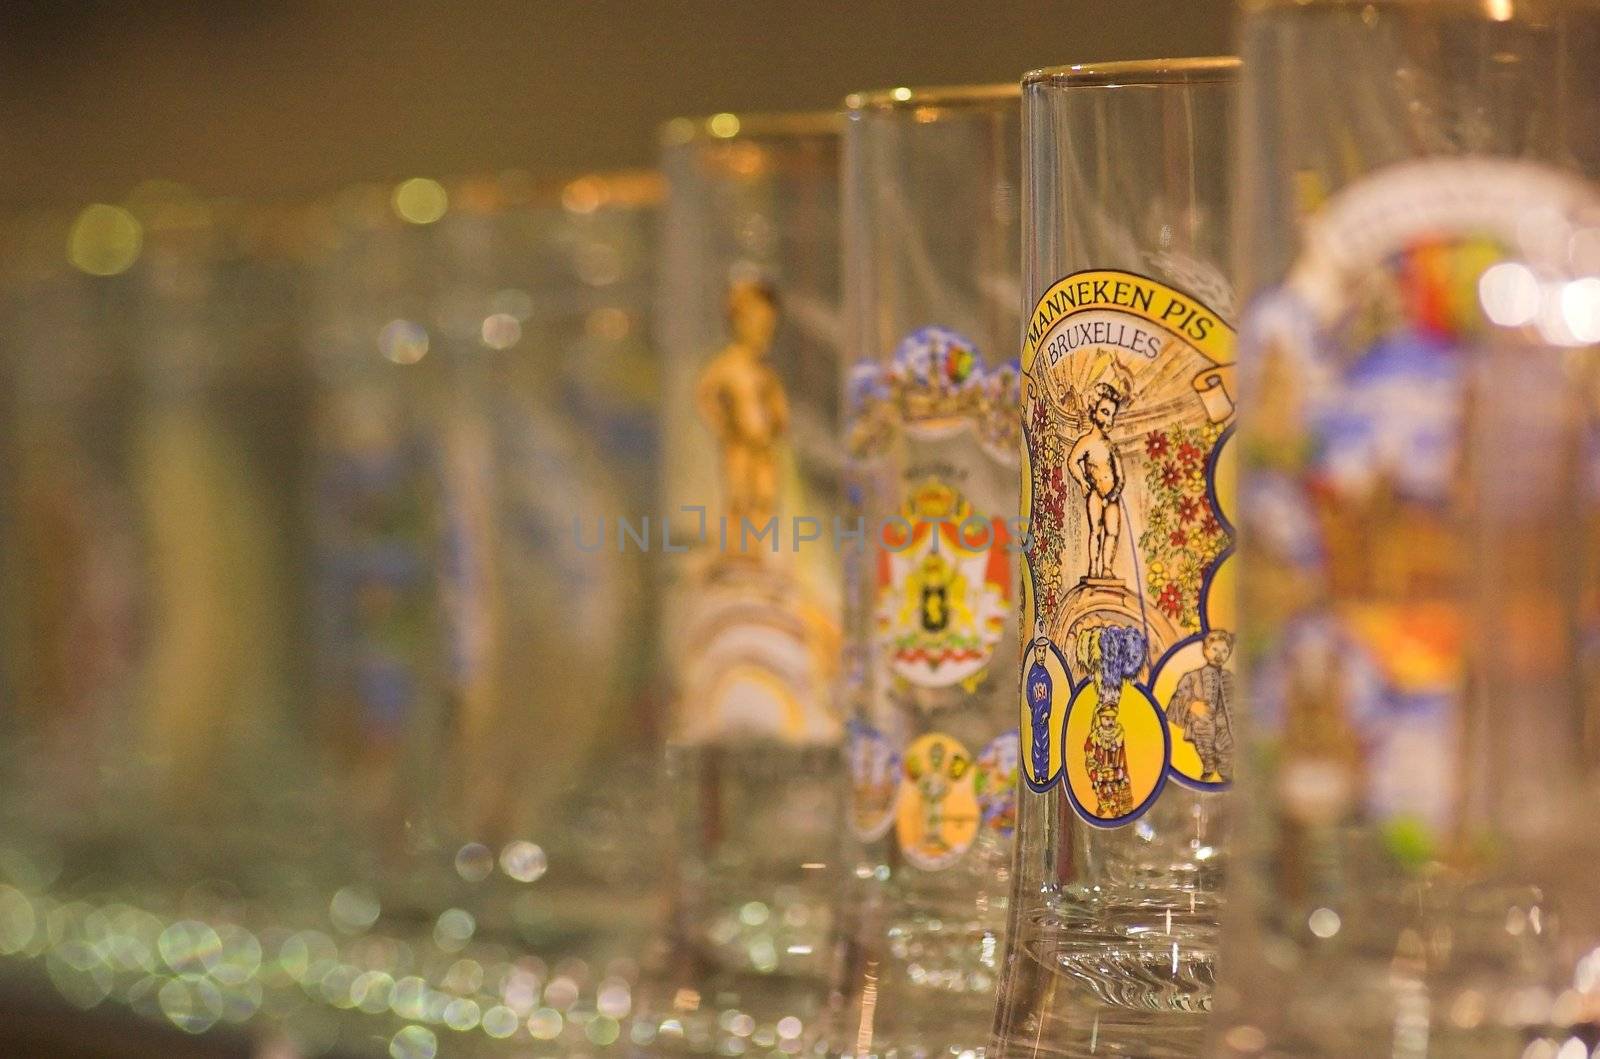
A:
<point x="1050" y="499"/>
<point x="1184" y="527"/>
<point x="1155" y="444"/>
<point x="1040" y="427"/>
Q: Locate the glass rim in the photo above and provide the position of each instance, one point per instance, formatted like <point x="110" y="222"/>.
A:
<point x="903" y="97"/>
<point x="1135" y="72"/>
<point x="733" y="125"/>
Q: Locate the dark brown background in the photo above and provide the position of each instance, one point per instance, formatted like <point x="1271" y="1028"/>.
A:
<point x="285" y="96"/>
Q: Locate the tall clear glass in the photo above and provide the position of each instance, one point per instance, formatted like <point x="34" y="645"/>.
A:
<point x="483" y="390"/>
<point x="931" y="247"/>
<point x="1127" y="684"/>
<point x="1419" y="502"/>
<point x="748" y="327"/>
<point x="160" y="776"/>
<point x="291" y="742"/>
<point x="578" y="431"/>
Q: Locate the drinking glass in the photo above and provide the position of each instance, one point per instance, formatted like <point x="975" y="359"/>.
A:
<point x="161" y="779"/>
<point x="1128" y="697"/>
<point x="931" y="249"/>
<point x="1419" y="500"/>
<point x="748" y="327"/>
<point x="484" y="391"/>
<point x="290" y="494"/>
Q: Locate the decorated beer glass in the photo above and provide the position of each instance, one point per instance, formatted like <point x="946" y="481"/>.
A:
<point x="1418" y="490"/>
<point x="931" y="249"/>
<point x="748" y="327"/>
<point x="1128" y="697"/>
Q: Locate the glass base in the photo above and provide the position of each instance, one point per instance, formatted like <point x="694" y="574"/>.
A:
<point x="1055" y="1013"/>
<point x="1129" y="953"/>
<point x="1097" y="977"/>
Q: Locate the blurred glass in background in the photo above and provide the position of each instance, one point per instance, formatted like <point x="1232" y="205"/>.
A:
<point x="1419" y="495"/>
<point x="308" y="680"/>
<point x="748" y="320"/>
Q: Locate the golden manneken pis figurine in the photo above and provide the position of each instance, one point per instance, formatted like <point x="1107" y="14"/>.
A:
<point x="741" y="399"/>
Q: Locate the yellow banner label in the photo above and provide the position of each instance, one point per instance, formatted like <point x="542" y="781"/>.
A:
<point x="1170" y="310"/>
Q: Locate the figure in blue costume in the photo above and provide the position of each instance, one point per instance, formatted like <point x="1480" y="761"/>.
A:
<point x="1040" y="693"/>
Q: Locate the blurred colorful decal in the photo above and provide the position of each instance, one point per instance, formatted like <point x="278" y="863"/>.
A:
<point x="935" y="384"/>
<point x="759" y="648"/>
<point x="997" y="784"/>
<point x="943" y="588"/>
<point x="938" y="814"/>
<point x="874" y="782"/>
<point x="1368" y="364"/>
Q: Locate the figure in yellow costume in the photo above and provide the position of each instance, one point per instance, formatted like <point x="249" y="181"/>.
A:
<point x="1106" y="758"/>
<point x="936" y="595"/>
<point x="1117" y="653"/>
<point x="741" y="399"/>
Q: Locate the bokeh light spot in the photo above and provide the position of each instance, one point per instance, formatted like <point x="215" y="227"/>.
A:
<point x="17" y="924"/>
<point x="354" y="908"/>
<point x="403" y="342"/>
<point x="414" y="1042"/>
<point x="461" y="1015"/>
<point x="500" y="331"/>
<point x="453" y="929"/>
<point x="545" y="1024"/>
<point x="602" y="1030"/>
<point x="1580" y="309"/>
<point x="420" y="200"/>
<point x="524" y="861"/>
<point x="192" y="1005"/>
<point x="1509" y="292"/>
<point x="582" y="195"/>
<point x="104" y="240"/>
<point x="1324" y="922"/>
<point x="614" y="998"/>
<point x="500" y="1022"/>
